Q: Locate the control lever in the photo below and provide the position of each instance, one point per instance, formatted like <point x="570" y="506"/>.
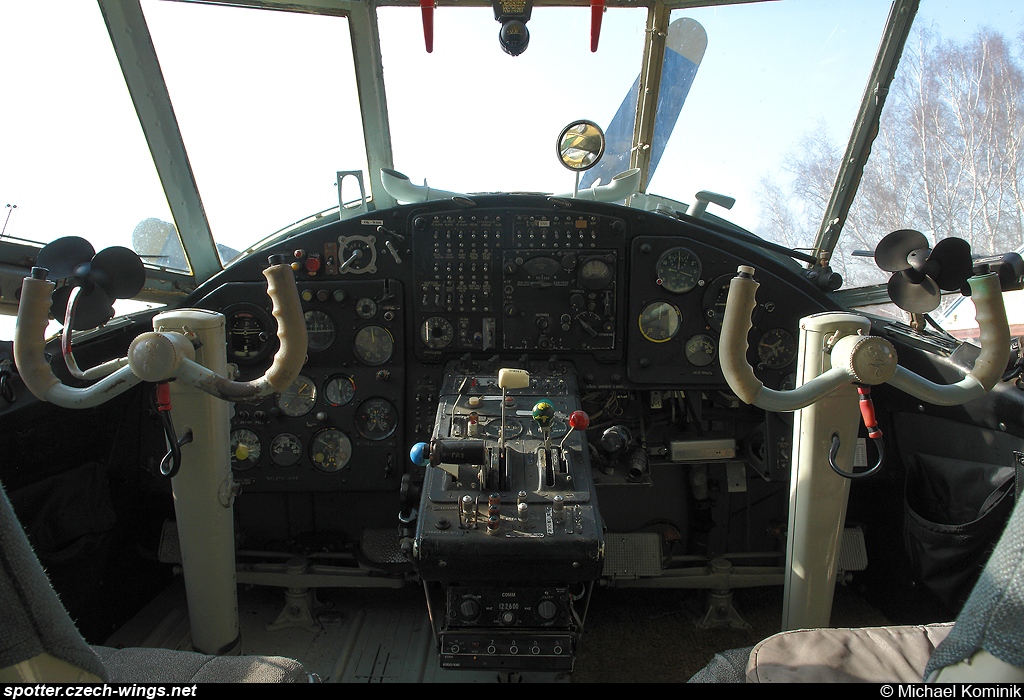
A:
<point x="837" y="353"/>
<point x="703" y="198"/>
<point x="543" y="414"/>
<point x="509" y="379"/>
<point x="578" y="420"/>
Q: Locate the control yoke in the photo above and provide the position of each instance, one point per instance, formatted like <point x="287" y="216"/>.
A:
<point x="159" y="355"/>
<point x="837" y="352"/>
<point x="863" y="359"/>
<point x="203" y="493"/>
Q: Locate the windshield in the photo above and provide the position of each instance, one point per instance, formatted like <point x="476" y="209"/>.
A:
<point x="756" y="102"/>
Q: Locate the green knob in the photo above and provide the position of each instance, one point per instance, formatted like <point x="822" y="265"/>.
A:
<point x="543" y="412"/>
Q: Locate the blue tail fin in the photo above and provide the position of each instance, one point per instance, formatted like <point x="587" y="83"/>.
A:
<point x="684" y="50"/>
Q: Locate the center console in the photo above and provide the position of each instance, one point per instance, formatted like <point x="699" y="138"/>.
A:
<point x="508" y="539"/>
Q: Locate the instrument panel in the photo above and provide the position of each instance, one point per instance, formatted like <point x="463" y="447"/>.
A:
<point x="633" y="299"/>
<point x="336" y="427"/>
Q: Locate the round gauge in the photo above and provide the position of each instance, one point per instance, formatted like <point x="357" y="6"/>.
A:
<point x="700" y="350"/>
<point x="595" y="273"/>
<point x="330" y="450"/>
<point x="373" y="345"/>
<point x="559" y="428"/>
<point x="320" y="330"/>
<point x="437" y="333"/>
<point x="660" y="321"/>
<point x="245" y="449"/>
<point x="339" y="390"/>
<point x="248" y="334"/>
<point x="285" y="450"/>
<point x="376" y="419"/>
<point x="777" y="348"/>
<point x="678" y="270"/>
<point x="298" y="399"/>
<point x="366" y="308"/>
<point x="714" y="301"/>
<point x="513" y="428"/>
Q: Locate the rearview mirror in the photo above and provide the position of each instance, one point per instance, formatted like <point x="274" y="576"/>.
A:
<point x="580" y="145"/>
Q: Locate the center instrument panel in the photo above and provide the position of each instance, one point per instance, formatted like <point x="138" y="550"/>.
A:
<point x="633" y="299"/>
<point x="477" y="368"/>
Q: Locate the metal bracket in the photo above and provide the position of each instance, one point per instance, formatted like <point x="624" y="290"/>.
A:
<point x="355" y="207"/>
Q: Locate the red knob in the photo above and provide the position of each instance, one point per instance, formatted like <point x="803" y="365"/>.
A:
<point x="579" y="420"/>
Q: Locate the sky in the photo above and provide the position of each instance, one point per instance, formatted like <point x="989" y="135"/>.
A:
<point x="268" y="120"/>
<point x="265" y="104"/>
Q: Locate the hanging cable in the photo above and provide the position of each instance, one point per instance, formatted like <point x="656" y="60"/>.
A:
<point x="171" y="462"/>
<point x="867" y="413"/>
<point x="6" y="383"/>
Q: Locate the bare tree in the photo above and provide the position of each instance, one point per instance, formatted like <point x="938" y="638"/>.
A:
<point x="948" y="159"/>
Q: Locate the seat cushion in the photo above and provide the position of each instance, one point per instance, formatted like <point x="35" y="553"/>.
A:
<point x="896" y="654"/>
<point x="144" y="665"/>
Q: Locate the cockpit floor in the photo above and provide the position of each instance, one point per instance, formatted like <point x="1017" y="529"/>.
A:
<point x="371" y="635"/>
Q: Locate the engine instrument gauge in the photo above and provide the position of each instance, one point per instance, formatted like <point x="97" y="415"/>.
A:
<point x="678" y="270"/>
<point x="366" y="308"/>
<point x="247" y="334"/>
<point x="330" y="449"/>
<point x="373" y="345"/>
<point x="559" y="428"/>
<point x="285" y="450"/>
<point x="660" y="321"/>
<point x="339" y="390"/>
<point x="245" y="449"/>
<point x="596" y="273"/>
<point x="320" y="330"/>
<point x="437" y="332"/>
<point x="376" y="419"/>
<point x="777" y="348"/>
<point x="714" y="301"/>
<point x="297" y="399"/>
<point x="701" y="349"/>
<point x="513" y="428"/>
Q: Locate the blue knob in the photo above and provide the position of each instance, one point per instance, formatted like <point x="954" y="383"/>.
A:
<point x="420" y="454"/>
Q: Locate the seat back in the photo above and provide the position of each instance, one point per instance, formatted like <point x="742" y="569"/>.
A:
<point x="36" y="634"/>
<point x="990" y="626"/>
<point x="40" y="643"/>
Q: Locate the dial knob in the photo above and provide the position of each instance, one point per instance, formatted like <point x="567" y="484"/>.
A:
<point x="546" y="609"/>
<point x="469" y="608"/>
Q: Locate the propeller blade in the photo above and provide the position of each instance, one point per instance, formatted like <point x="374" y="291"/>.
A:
<point x="94" y="308"/>
<point x="915" y="298"/>
<point x="63" y="255"/>
<point x="119" y="271"/>
<point x="892" y="251"/>
<point x="954" y="261"/>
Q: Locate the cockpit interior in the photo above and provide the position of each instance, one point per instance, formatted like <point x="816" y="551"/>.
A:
<point x="693" y="338"/>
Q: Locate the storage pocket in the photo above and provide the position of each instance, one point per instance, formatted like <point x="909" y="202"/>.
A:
<point x="955" y="512"/>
